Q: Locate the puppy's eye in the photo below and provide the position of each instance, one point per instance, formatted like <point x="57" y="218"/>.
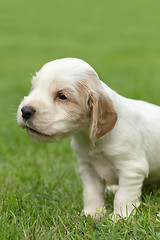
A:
<point x="61" y="96"/>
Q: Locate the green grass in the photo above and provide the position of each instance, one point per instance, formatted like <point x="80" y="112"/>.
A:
<point x="40" y="188"/>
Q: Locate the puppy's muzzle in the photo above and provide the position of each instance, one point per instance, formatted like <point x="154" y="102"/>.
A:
<point x="27" y="112"/>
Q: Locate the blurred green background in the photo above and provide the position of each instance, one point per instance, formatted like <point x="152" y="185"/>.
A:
<point x="119" y="39"/>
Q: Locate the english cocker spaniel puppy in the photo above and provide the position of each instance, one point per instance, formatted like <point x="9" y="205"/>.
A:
<point x="116" y="140"/>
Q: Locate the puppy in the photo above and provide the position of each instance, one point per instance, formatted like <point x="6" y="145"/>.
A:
<point x="116" y="140"/>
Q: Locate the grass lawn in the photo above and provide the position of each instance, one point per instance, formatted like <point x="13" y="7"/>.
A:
<point x="40" y="188"/>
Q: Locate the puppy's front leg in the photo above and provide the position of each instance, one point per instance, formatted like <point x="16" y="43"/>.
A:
<point x="128" y="193"/>
<point x="93" y="190"/>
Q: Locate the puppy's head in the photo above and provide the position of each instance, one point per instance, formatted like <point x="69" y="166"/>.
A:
<point x="66" y="97"/>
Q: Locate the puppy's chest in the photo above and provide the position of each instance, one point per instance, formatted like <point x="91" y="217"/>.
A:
<point x="103" y="166"/>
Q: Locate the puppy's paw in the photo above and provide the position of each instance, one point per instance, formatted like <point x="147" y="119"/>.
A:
<point x="124" y="214"/>
<point x="94" y="213"/>
<point x="112" y="189"/>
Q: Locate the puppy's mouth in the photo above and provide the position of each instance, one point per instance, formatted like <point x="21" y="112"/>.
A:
<point x="32" y="130"/>
<point x="35" y="133"/>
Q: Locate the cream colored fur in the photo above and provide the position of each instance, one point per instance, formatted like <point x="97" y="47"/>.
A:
<point x="116" y="140"/>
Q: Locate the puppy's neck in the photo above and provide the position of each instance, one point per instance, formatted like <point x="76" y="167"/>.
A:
<point x="82" y="136"/>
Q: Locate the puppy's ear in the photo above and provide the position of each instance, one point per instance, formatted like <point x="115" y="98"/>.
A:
<point x="103" y="115"/>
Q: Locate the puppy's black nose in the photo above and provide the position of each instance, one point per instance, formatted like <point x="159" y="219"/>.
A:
<point x="27" y="112"/>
